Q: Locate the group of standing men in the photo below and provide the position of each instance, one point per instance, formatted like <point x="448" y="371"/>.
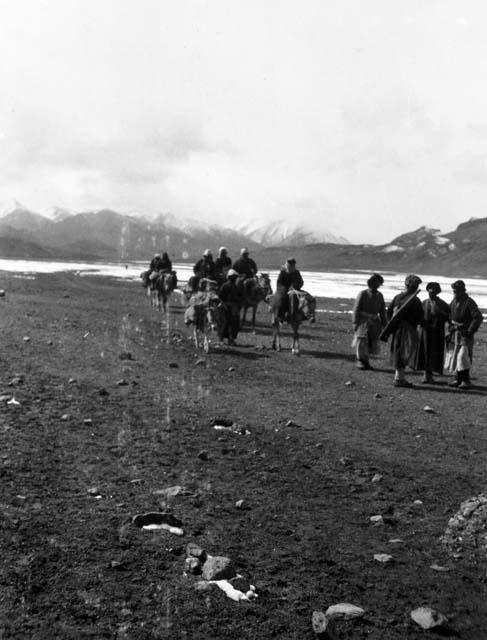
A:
<point x="418" y="330"/>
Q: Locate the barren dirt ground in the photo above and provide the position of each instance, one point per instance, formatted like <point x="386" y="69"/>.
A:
<point x="74" y="566"/>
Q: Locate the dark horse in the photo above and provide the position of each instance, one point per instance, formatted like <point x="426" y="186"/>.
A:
<point x="302" y="307"/>
<point x="255" y="290"/>
<point x="160" y="288"/>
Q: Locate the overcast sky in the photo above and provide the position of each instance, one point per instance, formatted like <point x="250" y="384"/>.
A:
<point x="365" y="118"/>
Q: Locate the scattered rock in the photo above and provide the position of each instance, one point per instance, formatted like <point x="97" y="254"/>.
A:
<point x="346" y="461"/>
<point x="15" y="381"/>
<point x="5" y="398"/>
<point x="418" y="502"/>
<point x="203" y="455"/>
<point x="122" y="382"/>
<point x="384" y="558"/>
<point x="377" y="519"/>
<point x="323" y="626"/>
<point x="156" y="521"/>
<point x="291" y="423"/>
<point x="437" y="567"/>
<point x="243" y="505"/>
<point x="202" y="585"/>
<point x="201" y="362"/>
<point x="428" y="409"/>
<point x="195" y="551"/>
<point x="349" y="383"/>
<point x="428" y="618"/>
<point x="395" y="541"/>
<point x="169" y="492"/>
<point x="26" y="339"/>
<point x="72" y="381"/>
<point x="64" y="417"/>
<point x="125" y="355"/>
<point x="192" y="565"/>
<point x="218" y="568"/>
<point x="232" y="592"/>
<point x="103" y="392"/>
<point x="173" y="365"/>
<point x="85" y="335"/>
<point x="231" y="369"/>
<point x="93" y="491"/>
<point x="377" y="477"/>
<point x="377" y="396"/>
<point x="88" y="421"/>
<point x="13" y="402"/>
<point x="344" y="611"/>
<point x="2" y="293"/>
<point x="221" y="422"/>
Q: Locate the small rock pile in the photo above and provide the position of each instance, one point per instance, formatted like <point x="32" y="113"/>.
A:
<point x="467" y="529"/>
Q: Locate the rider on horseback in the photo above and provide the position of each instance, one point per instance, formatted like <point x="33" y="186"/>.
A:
<point x="222" y="264"/>
<point x="204" y="268"/>
<point x="246" y="269"/>
<point x="288" y="277"/>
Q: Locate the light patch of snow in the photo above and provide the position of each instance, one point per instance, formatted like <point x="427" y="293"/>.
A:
<point x="391" y="248"/>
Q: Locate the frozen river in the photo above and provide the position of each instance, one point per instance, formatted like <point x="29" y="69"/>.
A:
<point x="325" y="284"/>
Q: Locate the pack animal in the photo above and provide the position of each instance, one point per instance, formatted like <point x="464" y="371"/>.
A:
<point x="159" y="288"/>
<point x="302" y="307"/>
<point x="202" y="314"/>
<point x="256" y="290"/>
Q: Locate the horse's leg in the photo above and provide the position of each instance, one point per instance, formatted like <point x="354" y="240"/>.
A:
<point x="206" y="342"/>
<point x="276" y="335"/>
<point x="196" y="337"/>
<point x="254" y="311"/>
<point x="295" y="340"/>
<point x="244" y="314"/>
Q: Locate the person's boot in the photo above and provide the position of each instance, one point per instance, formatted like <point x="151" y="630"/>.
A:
<point x="457" y="381"/>
<point x="465" y="383"/>
<point x="427" y="378"/>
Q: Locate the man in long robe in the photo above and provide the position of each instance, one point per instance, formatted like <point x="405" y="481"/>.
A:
<point x="368" y="318"/>
<point x="466" y="319"/>
<point x="431" y="349"/>
<point x="231" y="296"/>
<point x="409" y="313"/>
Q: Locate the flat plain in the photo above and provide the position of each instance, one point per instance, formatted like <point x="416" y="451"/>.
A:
<point x="116" y="406"/>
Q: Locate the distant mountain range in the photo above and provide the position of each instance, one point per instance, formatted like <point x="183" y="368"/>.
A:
<point x="106" y="235"/>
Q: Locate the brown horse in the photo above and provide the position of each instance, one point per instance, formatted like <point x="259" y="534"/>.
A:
<point x="301" y="306"/>
<point x="255" y="291"/>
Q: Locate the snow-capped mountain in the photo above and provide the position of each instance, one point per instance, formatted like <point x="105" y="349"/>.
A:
<point x="56" y="214"/>
<point x="282" y="233"/>
<point x="424" y="240"/>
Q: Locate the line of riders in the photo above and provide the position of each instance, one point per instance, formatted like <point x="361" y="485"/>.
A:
<point x="237" y="286"/>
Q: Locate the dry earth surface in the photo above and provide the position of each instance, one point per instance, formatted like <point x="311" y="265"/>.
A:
<point x="74" y="566"/>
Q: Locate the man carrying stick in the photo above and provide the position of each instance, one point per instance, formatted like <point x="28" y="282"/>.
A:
<point x="465" y="319"/>
<point x="405" y="314"/>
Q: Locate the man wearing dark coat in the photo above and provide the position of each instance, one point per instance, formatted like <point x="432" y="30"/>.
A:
<point x="288" y="277"/>
<point x="245" y="266"/>
<point x="205" y="267"/>
<point x="465" y="318"/>
<point x="222" y="264"/>
<point x="231" y="296"/>
<point x="368" y="319"/>
<point x="431" y="348"/>
<point x="409" y="312"/>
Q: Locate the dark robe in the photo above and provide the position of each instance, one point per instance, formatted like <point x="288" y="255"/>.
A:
<point x="285" y="280"/>
<point x="231" y="297"/>
<point x="431" y="349"/>
<point x="405" y="337"/>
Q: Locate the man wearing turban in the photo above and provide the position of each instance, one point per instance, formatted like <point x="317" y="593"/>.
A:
<point x="409" y="312"/>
